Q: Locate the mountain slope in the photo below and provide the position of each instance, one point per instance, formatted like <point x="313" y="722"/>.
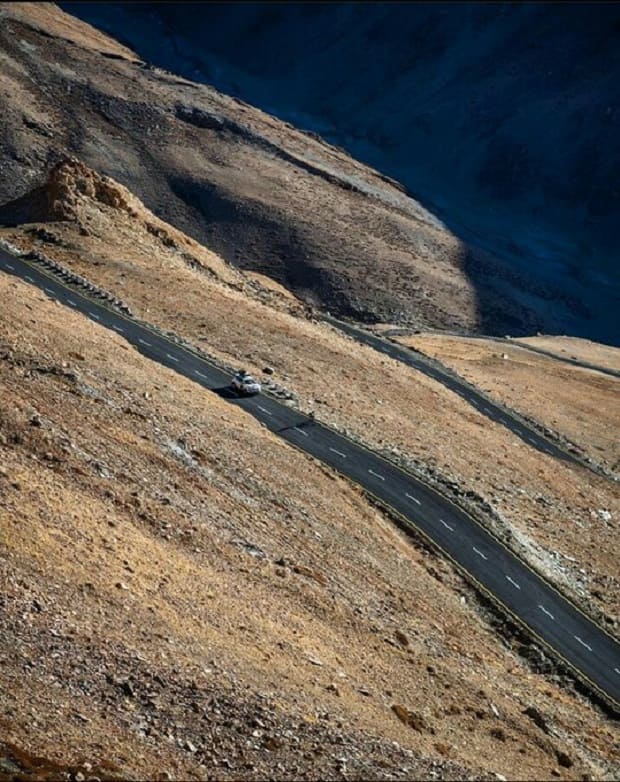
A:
<point x="260" y="193"/>
<point x="502" y="118"/>
<point x="107" y="236"/>
<point x="184" y="593"/>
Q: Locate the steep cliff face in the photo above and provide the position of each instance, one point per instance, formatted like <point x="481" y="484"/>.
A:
<point x="503" y="119"/>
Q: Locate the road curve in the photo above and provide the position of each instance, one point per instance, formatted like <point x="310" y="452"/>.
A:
<point x="586" y="648"/>
<point x="434" y="369"/>
<point x="510" y="342"/>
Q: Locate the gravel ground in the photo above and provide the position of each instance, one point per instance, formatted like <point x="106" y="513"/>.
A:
<point x="173" y="607"/>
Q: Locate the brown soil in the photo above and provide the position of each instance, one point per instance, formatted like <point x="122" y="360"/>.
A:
<point x="529" y="496"/>
<point x="580" y="404"/>
<point x="174" y="603"/>
<point x="260" y="193"/>
<point x="48" y="19"/>
<point x="581" y="349"/>
<point x="183" y="595"/>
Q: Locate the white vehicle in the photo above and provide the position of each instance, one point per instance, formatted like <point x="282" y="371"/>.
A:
<point x="245" y="384"/>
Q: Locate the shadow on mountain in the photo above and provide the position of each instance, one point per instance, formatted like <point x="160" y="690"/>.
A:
<point x="32" y="207"/>
<point x="504" y="118"/>
<point x="254" y="238"/>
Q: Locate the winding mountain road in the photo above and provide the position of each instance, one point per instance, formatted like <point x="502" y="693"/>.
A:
<point x="463" y="388"/>
<point x="509" y="342"/>
<point x="586" y="648"/>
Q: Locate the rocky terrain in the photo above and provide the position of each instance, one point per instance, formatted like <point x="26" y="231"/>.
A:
<point x="579" y="349"/>
<point x="260" y="193"/>
<point x="579" y="403"/>
<point x="111" y="239"/>
<point x="184" y="596"/>
<point x="501" y="118"/>
<point x="174" y="606"/>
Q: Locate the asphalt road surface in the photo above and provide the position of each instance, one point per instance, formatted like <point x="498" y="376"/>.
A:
<point x="461" y="387"/>
<point x="509" y="342"/>
<point x="587" y="649"/>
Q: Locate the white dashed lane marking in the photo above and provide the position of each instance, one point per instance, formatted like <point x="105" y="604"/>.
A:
<point x="172" y="358"/>
<point x="479" y="553"/>
<point x="49" y="290"/>
<point x="94" y="315"/>
<point x="415" y="499"/>
<point x="200" y="374"/>
<point x="376" y="474"/>
<point x="338" y="452"/>
<point x="264" y="409"/>
<point x="545" y="611"/>
<point x="301" y="431"/>
<point x="446" y="525"/>
<point x="116" y="328"/>
<point x="583" y="643"/>
<point x="8" y="266"/>
<point x="514" y="583"/>
<point x="144" y="342"/>
<point x="29" y="279"/>
<point x="73" y="304"/>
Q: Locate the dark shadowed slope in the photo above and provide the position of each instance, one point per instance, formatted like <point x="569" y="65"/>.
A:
<point x="253" y="188"/>
<point x="503" y="119"/>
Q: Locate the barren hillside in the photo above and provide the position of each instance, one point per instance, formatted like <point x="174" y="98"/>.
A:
<point x="183" y="595"/>
<point x="501" y="118"/>
<point x="262" y="194"/>
<point x="175" y="606"/>
<point x="546" y="509"/>
<point x="580" y="349"/>
<point x="581" y="404"/>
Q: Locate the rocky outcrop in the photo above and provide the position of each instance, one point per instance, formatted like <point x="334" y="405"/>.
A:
<point x="68" y="182"/>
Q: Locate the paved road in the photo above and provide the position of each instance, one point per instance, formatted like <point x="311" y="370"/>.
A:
<point x="511" y="342"/>
<point x="592" y="654"/>
<point x="461" y="387"/>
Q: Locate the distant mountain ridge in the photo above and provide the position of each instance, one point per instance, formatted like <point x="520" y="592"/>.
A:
<point x="503" y="119"/>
